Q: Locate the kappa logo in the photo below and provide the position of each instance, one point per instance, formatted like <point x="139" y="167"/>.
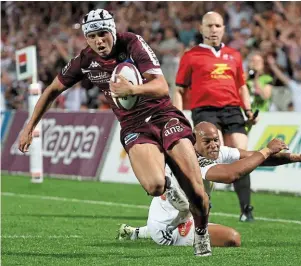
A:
<point x="173" y="126"/>
<point x="94" y="64"/>
<point x="130" y="138"/>
<point x="62" y="144"/>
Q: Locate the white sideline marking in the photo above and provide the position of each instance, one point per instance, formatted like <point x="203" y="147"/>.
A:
<point x="108" y="203"/>
<point x="37" y="236"/>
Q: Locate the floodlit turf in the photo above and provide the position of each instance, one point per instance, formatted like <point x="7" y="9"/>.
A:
<point x="47" y="230"/>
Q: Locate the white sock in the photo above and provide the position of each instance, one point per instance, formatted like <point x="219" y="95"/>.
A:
<point x="141" y="232"/>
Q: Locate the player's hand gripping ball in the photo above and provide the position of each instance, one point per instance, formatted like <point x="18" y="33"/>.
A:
<point x="132" y="75"/>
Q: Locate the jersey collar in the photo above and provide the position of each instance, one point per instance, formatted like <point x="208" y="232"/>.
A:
<point x="216" y="53"/>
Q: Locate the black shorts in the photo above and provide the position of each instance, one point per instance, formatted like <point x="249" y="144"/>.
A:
<point x="228" y="119"/>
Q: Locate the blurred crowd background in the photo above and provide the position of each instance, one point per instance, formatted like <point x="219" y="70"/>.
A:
<point x="268" y="35"/>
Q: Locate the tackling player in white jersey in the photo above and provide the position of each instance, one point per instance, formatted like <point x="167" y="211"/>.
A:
<point x="169" y="219"/>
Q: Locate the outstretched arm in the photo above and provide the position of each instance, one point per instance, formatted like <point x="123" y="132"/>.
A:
<point x="46" y="99"/>
<point x="275" y="159"/>
<point x="228" y="173"/>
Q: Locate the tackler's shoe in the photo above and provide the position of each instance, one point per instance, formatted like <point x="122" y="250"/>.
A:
<point x="247" y="215"/>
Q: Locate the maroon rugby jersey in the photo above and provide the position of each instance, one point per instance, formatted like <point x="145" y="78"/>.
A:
<point x="88" y="64"/>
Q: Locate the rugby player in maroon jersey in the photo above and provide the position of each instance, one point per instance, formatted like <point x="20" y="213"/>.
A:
<point x="153" y="132"/>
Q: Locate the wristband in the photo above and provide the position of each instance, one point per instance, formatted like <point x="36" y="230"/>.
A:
<point x="266" y="152"/>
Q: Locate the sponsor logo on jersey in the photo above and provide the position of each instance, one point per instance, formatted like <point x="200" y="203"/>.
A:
<point x="94" y="64"/>
<point x="219" y="72"/>
<point x="173" y="126"/>
<point x="130" y="138"/>
<point x="149" y="51"/>
<point x="184" y="228"/>
<point x="100" y="77"/>
<point x="228" y="57"/>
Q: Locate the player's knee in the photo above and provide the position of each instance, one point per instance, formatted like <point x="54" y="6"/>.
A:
<point x="233" y="239"/>
<point x="156" y="189"/>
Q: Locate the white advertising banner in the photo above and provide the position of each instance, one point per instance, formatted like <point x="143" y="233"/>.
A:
<point x="285" y="126"/>
<point x="286" y="178"/>
<point x="117" y="166"/>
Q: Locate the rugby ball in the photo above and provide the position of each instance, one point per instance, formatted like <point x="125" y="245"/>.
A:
<point x="131" y="73"/>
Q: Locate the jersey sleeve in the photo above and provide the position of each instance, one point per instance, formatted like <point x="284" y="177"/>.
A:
<point x="205" y="169"/>
<point x="183" y="78"/>
<point x="240" y="80"/>
<point x="228" y="155"/>
<point x="71" y="73"/>
<point x="143" y="56"/>
<point x="205" y="164"/>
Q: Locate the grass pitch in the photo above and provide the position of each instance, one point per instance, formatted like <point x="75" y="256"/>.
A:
<point x="62" y="222"/>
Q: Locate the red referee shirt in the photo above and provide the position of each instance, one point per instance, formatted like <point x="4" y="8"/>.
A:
<point x="214" y="77"/>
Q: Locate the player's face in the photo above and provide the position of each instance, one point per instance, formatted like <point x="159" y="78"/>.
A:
<point x="208" y="144"/>
<point x="213" y="30"/>
<point x="101" y="42"/>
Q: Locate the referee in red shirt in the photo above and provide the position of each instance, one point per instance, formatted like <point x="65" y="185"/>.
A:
<point x="214" y="74"/>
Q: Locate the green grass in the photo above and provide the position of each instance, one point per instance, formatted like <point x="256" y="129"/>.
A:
<point x="79" y="233"/>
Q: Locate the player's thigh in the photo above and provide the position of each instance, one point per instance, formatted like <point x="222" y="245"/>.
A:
<point x="184" y="156"/>
<point x="232" y="121"/>
<point x="236" y="140"/>
<point x="223" y="236"/>
<point x="183" y="162"/>
<point x="148" y="164"/>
